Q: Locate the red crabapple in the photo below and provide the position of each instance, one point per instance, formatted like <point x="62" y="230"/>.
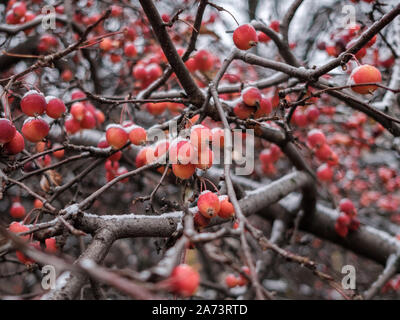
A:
<point x="242" y="111"/>
<point x="343" y="220"/>
<point x="33" y="103"/>
<point x="67" y="75"/>
<point x="275" y="152"/>
<point x="341" y="230"/>
<point x="41" y="146"/>
<point x="17" y="210"/>
<point x="59" y="154"/>
<point x="45" y="160"/>
<point x="145" y="156"/>
<point x="139" y="72"/>
<point x="130" y="33"/>
<point x="165" y="17"/>
<point x="275" y="25"/>
<point x="55" y="107"/>
<point x="372" y="41"/>
<point x="19" y="9"/>
<point x="265" y="156"/>
<point x="199" y="220"/>
<point x="16" y="145"/>
<point x="156" y="108"/>
<point x="130" y="50"/>
<point x="11" y="18"/>
<point x="181" y="151"/>
<point x="231" y="280"/>
<point x="121" y="171"/>
<point x="51" y="245"/>
<point x="324" y="172"/>
<point x="347" y="206"/>
<point x="37" y="204"/>
<point x="316" y="138"/>
<point x="365" y="74"/>
<point x="116" y="136"/>
<point x="17" y="227"/>
<point x="29" y="166"/>
<point x="191" y="65"/>
<point x="78" y="94"/>
<point x="24" y="259"/>
<point x="264" y="109"/>
<point x="116" y="11"/>
<point x="35" y="129"/>
<point x="262" y="37"/>
<point x="72" y="125"/>
<point x="204" y="60"/>
<point x="324" y="153"/>
<point x="183" y="171"/>
<point x="100" y="117"/>
<point x="47" y="42"/>
<point x="184" y="280"/>
<point x="312" y="114"/>
<point x="333" y="160"/>
<point x="78" y="111"/>
<point x="226" y="210"/>
<point x="88" y="121"/>
<point x="208" y="204"/>
<point x="161" y="148"/>
<point x="251" y="96"/>
<point x="360" y="53"/>
<point x="106" y="44"/>
<point x="300" y="118"/>
<point x="200" y="136"/>
<point x="154" y="71"/>
<point x="242" y="281"/>
<point x="245" y="37"/>
<point x="7" y="130"/>
<point x="138" y="135"/>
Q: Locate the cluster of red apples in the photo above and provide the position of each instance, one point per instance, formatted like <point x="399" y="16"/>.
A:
<point x="35" y="128"/>
<point x="231" y="280"/>
<point x="50" y="245"/>
<point x="252" y="104"/>
<point x="317" y="141"/>
<point x="347" y="220"/>
<point x="84" y="115"/>
<point x="210" y="205"/>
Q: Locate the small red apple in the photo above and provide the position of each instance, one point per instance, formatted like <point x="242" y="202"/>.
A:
<point x="17" y="210"/>
<point x="245" y="37"/>
<point x="208" y="204"/>
<point x="325" y="172"/>
<point x="35" y="129"/>
<point x="316" y="138"/>
<point x="116" y="136"/>
<point x="55" y="107"/>
<point x="183" y="171"/>
<point x="7" y="130"/>
<point x="226" y="210"/>
<point x="251" y="96"/>
<point x="184" y="280"/>
<point x="16" y="145"/>
<point x="33" y="103"/>
<point x="365" y="74"/>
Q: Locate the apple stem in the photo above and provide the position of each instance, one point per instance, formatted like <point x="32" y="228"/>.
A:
<point x="209" y="181"/>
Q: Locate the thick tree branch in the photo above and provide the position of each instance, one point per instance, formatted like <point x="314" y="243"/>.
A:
<point x="176" y="62"/>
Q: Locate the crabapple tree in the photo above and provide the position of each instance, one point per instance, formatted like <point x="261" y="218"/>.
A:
<point x="124" y="124"/>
